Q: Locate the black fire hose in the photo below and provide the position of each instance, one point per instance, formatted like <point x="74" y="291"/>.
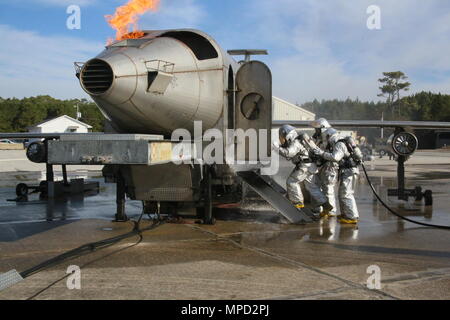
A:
<point x="90" y="247"/>
<point x="395" y="213"/>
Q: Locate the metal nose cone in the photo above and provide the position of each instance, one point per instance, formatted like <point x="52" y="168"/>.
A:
<point x="117" y="77"/>
<point x="96" y="77"/>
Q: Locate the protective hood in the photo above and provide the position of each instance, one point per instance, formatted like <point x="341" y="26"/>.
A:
<point x="292" y="135"/>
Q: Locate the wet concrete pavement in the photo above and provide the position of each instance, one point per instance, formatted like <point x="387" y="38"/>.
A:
<point x="250" y="255"/>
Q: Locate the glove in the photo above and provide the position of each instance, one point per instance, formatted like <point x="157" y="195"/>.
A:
<point x="276" y="146"/>
<point x="318" y="152"/>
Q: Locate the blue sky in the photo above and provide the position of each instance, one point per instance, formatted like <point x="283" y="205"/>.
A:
<point x="318" y="49"/>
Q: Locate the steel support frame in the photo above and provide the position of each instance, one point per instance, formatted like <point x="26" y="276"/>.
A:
<point x="120" y="199"/>
<point x="401" y="192"/>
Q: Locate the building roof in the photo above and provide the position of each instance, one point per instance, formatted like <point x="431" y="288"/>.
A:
<point x="63" y="116"/>
<point x="295" y="106"/>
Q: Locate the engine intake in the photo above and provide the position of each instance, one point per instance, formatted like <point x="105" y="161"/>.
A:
<point x="96" y="77"/>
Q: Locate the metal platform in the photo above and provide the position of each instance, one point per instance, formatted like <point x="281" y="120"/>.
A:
<point x="272" y="192"/>
<point x="95" y="149"/>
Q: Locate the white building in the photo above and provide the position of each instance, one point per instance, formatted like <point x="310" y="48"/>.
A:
<point x="60" y="124"/>
<point x="285" y="111"/>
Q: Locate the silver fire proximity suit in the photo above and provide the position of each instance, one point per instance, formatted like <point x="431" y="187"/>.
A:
<point x="304" y="171"/>
<point x="328" y="172"/>
<point x="348" y="173"/>
<point x="328" y="178"/>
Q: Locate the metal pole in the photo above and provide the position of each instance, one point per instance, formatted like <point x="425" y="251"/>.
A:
<point x="208" y="215"/>
<point x="120" y="200"/>
<point x="64" y="172"/>
<point x="78" y="111"/>
<point x="401" y="178"/>
<point x="49" y="173"/>
<point x="49" y="168"/>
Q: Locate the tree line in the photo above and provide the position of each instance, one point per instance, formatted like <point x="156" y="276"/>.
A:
<point x="423" y="106"/>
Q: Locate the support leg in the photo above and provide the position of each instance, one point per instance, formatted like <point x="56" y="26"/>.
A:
<point x="208" y="219"/>
<point x="64" y="172"/>
<point x="50" y="177"/>
<point x="120" y="200"/>
<point x="401" y="178"/>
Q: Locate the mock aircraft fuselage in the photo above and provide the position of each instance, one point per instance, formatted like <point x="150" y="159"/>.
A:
<point x="161" y="82"/>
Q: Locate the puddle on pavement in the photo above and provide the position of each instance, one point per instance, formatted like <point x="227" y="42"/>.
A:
<point x="102" y="205"/>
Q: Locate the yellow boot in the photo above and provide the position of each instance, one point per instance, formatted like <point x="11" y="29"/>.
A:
<point x="326" y="212"/>
<point x="345" y="220"/>
<point x="299" y="205"/>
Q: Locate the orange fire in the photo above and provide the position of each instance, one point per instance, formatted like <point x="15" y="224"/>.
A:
<point x="128" y="15"/>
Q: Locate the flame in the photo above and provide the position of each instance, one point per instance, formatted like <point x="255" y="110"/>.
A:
<point x="128" y="15"/>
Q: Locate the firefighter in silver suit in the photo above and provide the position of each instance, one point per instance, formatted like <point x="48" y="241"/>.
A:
<point x="328" y="170"/>
<point x="343" y="151"/>
<point x="291" y="148"/>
